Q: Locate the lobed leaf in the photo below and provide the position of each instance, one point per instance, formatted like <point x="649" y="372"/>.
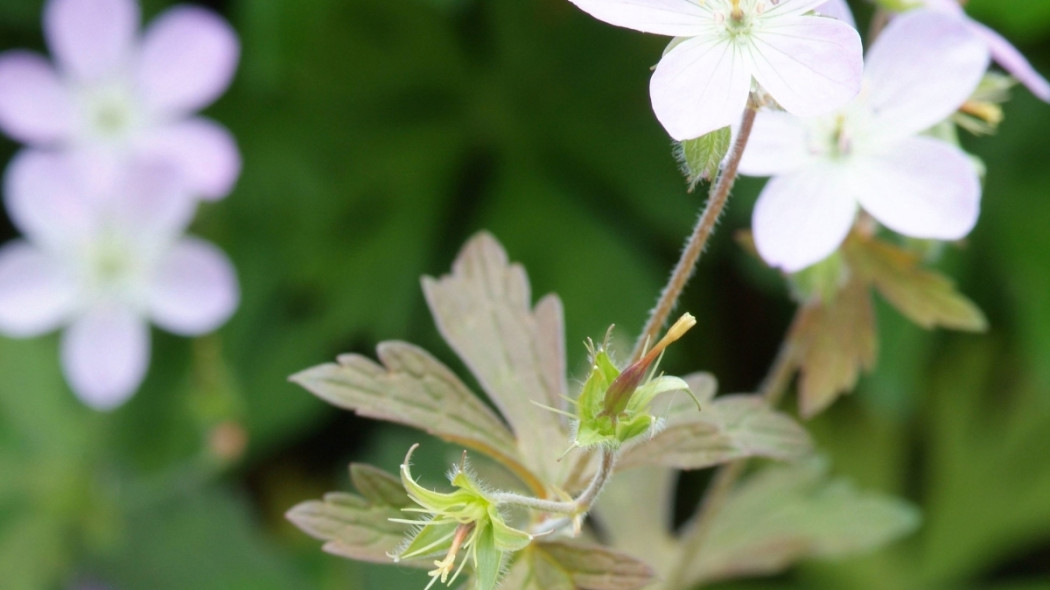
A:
<point x="411" y="387"/>
<point x="482" y="310"/>
<point x="836" y="340"/>
<point x="926" y="297"/>
<point x="591" y="567"/>
<point x="354" y="526"/>
<point x="787" y="513"/>
<point x="730" y="427"/>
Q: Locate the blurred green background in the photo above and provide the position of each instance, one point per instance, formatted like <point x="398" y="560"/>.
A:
<point x="377" y="136"/>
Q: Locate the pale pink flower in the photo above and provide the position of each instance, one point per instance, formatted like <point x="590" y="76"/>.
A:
<point x="870" y="154"/>
<point x="807" y="63"/>
<point x="837" y="9"/>
<point x="105" y="265"/>
<point x="113" y="96"/>
<point x="1003" y="52"/>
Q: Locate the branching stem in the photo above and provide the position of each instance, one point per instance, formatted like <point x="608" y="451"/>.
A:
<point x="694" y="247"/>
<point x="580" y="505"/>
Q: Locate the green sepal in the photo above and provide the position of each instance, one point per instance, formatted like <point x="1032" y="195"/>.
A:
<point x="431" y="540"/>
<point x="487" y="559"/>
<point x="635" y="426"/>
<point x="506" y="537"/>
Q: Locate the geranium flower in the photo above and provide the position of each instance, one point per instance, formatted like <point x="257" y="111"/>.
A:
<point x="1003" y="52"/>
<point x="105" y="264"/>
<point x="837" y="9"/>
<point x="919" y="71"/>
<point x="112" y="96"/>
<point x="809" y="64"/>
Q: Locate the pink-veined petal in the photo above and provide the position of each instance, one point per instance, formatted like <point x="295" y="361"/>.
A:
<point x="802" y="217"/>
<point x="105" y="354"/>
<point x="35" y="105"/>
<point x="675" y="18"/>
<point x="699" y="86"/>
<point x="188" y="58"/>
<point x="922" y="67"/>
<point x="1006" y="55"/>
<point x="778" y="144"/>
<point x="91" y="39"/>
<point x="194" y="289"/>
<point x="45" y="200"/>
<point x="204" y="152"/>
<point x="837" y="9"/>
<point x="810" y="65"/>
<point x="922" y="187"/>
<point x="36" y="292"/>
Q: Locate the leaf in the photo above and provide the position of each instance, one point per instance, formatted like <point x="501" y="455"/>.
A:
<point x="354" y="526"/>
<point x="411" y="387"/>
<point x="836" y="340"/>
<point x="641" y="527"/>
<point x="701" y="157"/>
<point x="786" y="513"/>
<point x="727" y="428"/>
<point x="591" y="567"/>
<point x="924" y="296"/>
<point x="482" y="311"/>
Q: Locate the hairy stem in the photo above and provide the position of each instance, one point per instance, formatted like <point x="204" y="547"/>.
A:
<point x="772" y="389"/>
<point x="694" y="247"/>
<point x="580" y="505"/>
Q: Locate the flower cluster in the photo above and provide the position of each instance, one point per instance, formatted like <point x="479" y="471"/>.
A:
<point x="114" y="166"/>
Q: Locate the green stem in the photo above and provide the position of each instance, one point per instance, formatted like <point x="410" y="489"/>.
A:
<point x="694" y="247"/>
<point x="580" y="505"/>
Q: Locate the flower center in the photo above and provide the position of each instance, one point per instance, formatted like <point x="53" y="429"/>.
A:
<point x="739" y="17"/>
<point x="110" y="112"/>
<point x="112" y="268"/>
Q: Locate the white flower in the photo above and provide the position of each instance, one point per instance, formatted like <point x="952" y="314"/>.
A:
<point x="918" y="72"/>
<point x="113" y="97"/>
<point x="105" y="264"/>
<point x="807" y="63"/>
<point x="1002" y="50"/>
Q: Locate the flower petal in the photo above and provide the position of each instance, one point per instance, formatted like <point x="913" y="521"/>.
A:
<point x="675" y="18"/>
<point x="194" y="289"/>
<point x="188" y="57"/>
<point x="105" y="354"/>
<point x="922" y="187"/>
<point x="920" y="69"/>
<point x="801" y="218"/>
<point x="36" y="293"/>
<point x="204" y="151"/>
<point x="35" y="105"/>
<point x="810" y="65"/>
<point x="699" y="86"/>
<point x="778" y="144"/>
<point x="91" y="38"/>
<point x="1013" y="62"/>
<point x="151" y="202"/>
<point x="837" y="9"/>
<point x="45" y="199"/>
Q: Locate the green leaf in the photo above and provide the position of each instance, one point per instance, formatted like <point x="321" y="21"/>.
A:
<point x="787" y="513"/>
<point x="635" y="510"/>
<point x="924" y="296"/>
<point x="591" y="567"/>
<point x="482" y="310"/>
<point x="727" y="428"/>
<point x="354" y="526"/>
<point x="411" y="387"/>
<point x="836" y="340"/>
<point x="701" y="157"/>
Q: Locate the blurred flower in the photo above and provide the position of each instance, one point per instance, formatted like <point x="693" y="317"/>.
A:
<point x="1003" y="52"/>
<point x="113" y="97"/>
<point x="809" y="64"/>
<point x="105" y="264"/>
<point x="837" y="9"/>
<point x="918" y="72"/>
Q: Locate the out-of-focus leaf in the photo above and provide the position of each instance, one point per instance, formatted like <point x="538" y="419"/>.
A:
<point x="926" y="297"/>
<point x="701" y="157"/>
<point x="836" y="341"/>
<point x="591" y="567"/>
<point x="726" y="428"/>
<point x="411" y="387"/>
<point x="787" y="513"/>
<point x="534" y="571"/>
<point x="32" y="552"/>
<point x="635" y="511"/>
<point x="354" y="526"/>
<point x="483" y="311"/>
